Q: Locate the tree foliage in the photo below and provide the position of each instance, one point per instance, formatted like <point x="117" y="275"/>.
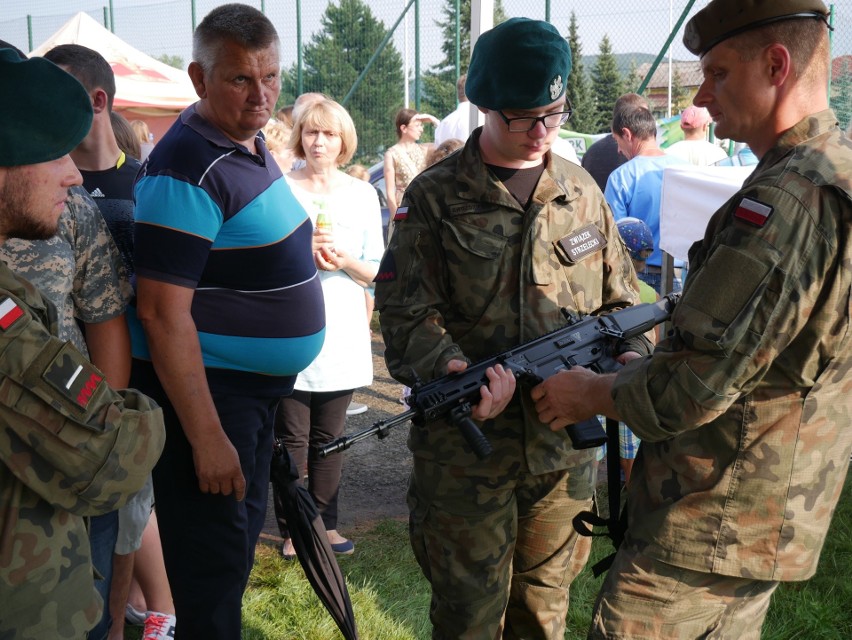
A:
<point x="439" y="83"/>
<point x="334" y="59"/>
<point x="680" y="93"/>
<point x="607" y="85"/>
<point x="577" y="88"/>
<point x="841" y="92"/>
<point x="172" y="61"/>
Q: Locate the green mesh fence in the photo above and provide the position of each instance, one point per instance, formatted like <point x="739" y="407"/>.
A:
<point x="379" y="55"/>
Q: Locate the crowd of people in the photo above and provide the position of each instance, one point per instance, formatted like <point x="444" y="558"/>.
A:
<point x="170" y="309"/>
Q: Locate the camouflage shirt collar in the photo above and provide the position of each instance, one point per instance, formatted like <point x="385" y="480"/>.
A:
<point x="477" y="183"/>
<point x="810" y="127"/>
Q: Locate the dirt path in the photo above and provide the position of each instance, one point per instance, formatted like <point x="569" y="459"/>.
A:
<point x="375" y="472"/>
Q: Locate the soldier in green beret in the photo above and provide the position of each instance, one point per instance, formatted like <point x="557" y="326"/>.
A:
<point x="71" y="447"/>
<point x="489" y="244"/>
<point x="744" y="410"/>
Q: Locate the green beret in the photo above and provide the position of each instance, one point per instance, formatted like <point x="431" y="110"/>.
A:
<point x="45" y="111"/>
<point x="722" y="19"/>
<point x="519" y="64"/>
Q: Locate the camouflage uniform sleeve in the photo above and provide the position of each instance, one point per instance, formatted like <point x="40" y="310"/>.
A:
<point x="64" y="432"/>
<point x="748" y="299"/>
<point x="411" y="297"/>
<point x="101" y="287"/>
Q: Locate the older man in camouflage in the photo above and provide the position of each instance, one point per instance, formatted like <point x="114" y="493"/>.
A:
<point x="70" y="446"/>
<point x="484" y="256"/>
<point x="744" y="411"/>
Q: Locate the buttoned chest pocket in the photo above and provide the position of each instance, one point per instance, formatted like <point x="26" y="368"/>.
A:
<point x="475" y="266"/>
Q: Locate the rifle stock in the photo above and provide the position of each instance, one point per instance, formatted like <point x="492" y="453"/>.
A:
<point x="588" y="342"/>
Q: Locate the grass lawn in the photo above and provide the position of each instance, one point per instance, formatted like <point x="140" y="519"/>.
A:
<point x="391" y="599"/>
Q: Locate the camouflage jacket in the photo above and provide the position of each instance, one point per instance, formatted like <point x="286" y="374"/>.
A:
<point x="469" y="273"/>
<point x="70" y="447"/>
<point x="744" y="412"/>
<point x="79" y="269"/>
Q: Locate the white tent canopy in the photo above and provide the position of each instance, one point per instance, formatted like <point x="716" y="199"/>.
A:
<point x="143" y="84"/>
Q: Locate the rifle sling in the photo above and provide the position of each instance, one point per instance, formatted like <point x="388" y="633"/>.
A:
<point x="616" y="524"/>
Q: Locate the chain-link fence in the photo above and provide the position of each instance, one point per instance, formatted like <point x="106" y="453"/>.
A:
<point x="379" y="55"/>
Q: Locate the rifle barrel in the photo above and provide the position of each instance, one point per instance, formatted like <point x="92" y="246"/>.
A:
<point x="379" y="429"/>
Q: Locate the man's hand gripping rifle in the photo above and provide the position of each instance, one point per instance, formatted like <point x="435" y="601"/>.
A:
<point x="588" y="342"/>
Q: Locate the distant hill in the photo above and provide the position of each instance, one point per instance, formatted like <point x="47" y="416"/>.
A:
<point x="622" y="59"/>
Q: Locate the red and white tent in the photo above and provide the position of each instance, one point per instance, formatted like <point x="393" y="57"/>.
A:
<point x="145" y="88"/>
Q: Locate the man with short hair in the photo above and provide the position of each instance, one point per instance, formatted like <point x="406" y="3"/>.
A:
<point x="695" y="148"/>
<point x="744" y="410"/>
<point x="635" y="189"/>
<point x="108" y="176"/>
<point x="231" y="306"/>
<point x="491" y="243"/>
<point x="455" y="124"/>
<point x="108" y="173"/>
<point x="601" y="159"/>
<point x="70" y="446"/>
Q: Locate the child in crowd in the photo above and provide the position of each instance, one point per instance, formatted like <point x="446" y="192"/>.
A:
<point x="640" y="243"/>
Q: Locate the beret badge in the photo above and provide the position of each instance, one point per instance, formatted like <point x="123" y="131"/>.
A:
<point x="691" y="39"/>
<point x="556" y="87"/>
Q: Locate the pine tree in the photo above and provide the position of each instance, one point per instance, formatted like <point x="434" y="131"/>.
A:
<point x="633" y="79"/>
<point x="607" y="85"/>
<point x="439" y="83"/>
<point x="577" y="88"/>
<point x="679" y="93"/>
<point x="841" y="92"/>
<point x="172" y="61"/>
<point x="333" y="61"/>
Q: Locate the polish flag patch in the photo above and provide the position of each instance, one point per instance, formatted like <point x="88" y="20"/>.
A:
<point x="401" y="214"/>
<point x="752" y="211"/>
<point x="9" y="313"/>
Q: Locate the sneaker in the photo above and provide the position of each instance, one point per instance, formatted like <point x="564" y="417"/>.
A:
<point x="159" y="626"/>
<point x="133" y="616"/>
<point x="355" y="408"/>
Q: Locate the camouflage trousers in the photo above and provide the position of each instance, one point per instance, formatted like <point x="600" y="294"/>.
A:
<point x="499" y="552"/>
<point x="644" y="598"/>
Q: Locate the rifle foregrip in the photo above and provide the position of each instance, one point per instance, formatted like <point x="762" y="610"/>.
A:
<point x="460" y="418"/>
<point x="474" y="437"/>
<point x="587" y="434"/>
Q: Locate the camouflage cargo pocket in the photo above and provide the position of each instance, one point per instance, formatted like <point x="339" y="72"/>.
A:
<point x="475" y="265"/>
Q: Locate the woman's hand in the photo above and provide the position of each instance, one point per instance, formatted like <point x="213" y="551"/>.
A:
<point x="322" y="239"/>
<point x="428" y="117"/>
<point x="328" y="258"/>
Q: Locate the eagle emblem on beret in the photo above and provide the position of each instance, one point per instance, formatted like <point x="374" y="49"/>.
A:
<point x="556" y="87"/>
<point x="690" y="37"/>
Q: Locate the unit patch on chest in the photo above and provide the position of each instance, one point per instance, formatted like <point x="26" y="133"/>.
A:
<point x="582" y="243"/>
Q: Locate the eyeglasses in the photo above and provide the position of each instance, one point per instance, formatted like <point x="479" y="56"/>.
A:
<point x="549" y="120"/>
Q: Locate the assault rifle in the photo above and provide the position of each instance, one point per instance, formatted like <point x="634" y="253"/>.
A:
<point x="587" y="342"/>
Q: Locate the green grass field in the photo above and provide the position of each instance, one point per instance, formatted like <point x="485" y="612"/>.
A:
<point x="391" y="599"/>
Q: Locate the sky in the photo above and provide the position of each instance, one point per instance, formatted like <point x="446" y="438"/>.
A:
<point x="164" y="26"/>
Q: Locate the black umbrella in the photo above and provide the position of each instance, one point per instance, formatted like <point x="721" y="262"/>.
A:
<point x="311" y="542"/>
